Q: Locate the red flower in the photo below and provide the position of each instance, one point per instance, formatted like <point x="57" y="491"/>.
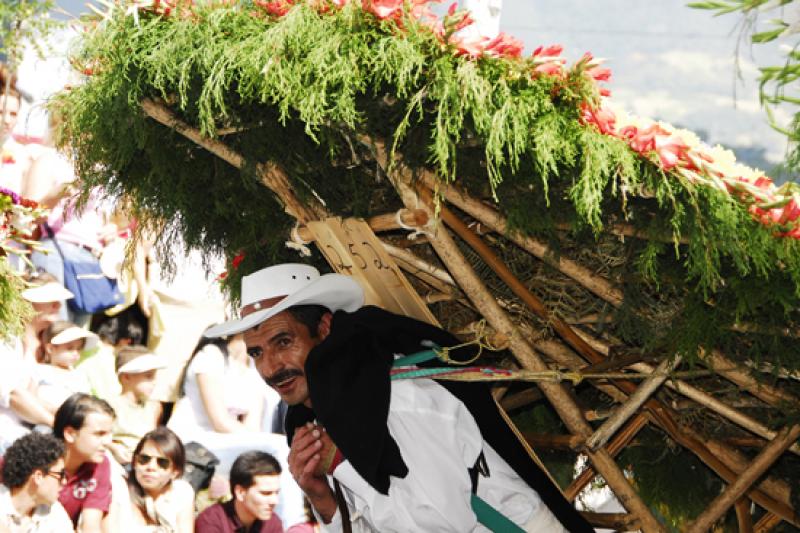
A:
<point x="671" y="150"/>
<point x="236" y="261"/>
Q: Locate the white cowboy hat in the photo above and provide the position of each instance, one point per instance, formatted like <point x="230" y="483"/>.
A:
<point x="74" y="333"/>
<point x="51" y="291"/>
<point x="269" y="291"/>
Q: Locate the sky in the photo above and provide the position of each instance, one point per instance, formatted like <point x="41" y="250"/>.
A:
<point x="669" y="62"/>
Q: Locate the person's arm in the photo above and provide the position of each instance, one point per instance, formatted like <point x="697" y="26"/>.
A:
<point x="91" y="521"/>
<point x="27" y="405"/>
<point x="254" y="418"/>
<point x="211" y="389"/>
<point x="46" y="181"/>
<point x="304" y="459"/>
<point x="185" y="519"/>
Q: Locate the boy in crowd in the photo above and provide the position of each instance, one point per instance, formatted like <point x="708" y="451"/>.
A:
<point x="33" y="474"/>
<point x="255" y="483"/>
<point x="137" y="413"/>
<point x="84" y="423"/>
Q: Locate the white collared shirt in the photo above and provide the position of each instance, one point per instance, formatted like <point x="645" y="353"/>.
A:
<point x="45" y="519"/>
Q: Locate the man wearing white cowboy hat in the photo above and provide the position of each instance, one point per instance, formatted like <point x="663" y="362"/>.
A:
<point x="409" y="455"/>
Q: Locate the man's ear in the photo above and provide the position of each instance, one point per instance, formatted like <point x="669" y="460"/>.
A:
<point x="239" y="493"/>
<point x="324" y="328"/>
<point x="37" y="477"/>
<point x="70" y="434"/>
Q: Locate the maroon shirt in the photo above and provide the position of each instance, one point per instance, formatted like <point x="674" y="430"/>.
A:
<point x="89" y="488"/>
<point x="221" y="518"/>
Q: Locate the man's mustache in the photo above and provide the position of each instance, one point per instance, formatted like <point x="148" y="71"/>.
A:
<point x="283" y="375"/>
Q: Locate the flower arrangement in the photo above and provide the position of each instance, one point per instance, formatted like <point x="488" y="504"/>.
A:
<point x="18" y="218"/>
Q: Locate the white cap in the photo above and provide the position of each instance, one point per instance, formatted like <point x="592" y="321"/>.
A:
<point x="51" y="291"/>
<point x="143" y="363"/>
<point x="74" y="333"/>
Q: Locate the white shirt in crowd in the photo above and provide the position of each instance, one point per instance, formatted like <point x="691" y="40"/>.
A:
<point x="46" y="518"/>
<point x="15" y="373"/>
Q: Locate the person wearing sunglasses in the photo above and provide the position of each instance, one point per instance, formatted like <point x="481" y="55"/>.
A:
<point x="33" y="474"/>
<point x="160" y="500"/>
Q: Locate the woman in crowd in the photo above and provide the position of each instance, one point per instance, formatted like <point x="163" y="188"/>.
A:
<point x="161" y="501"/>
<point x="62" y="342"/>
<point x="222" y="406"/>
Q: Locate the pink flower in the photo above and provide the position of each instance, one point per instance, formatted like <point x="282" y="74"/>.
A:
<point x="603" y="118"/>
<point x="671" y="150"/>
<point x="277" y="8"/>
<point x="599" y="74"/>
<point x="504" y="45"/>
<point x="554" y="50"/>
<point x="551" y="68"/>
<point x="384" y="9"/>
<point x="472" y="45"/>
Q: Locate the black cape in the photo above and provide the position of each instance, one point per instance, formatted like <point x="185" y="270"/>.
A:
<point x="349" y="384"/>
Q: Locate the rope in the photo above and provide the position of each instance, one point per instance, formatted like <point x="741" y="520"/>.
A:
<point x="482" y="340"/>
<point x="298" y="244"/>
<point x="416" y="232"/>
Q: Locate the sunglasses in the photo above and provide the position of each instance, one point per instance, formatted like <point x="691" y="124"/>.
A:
<point x="143" y="460"/>
<point x="60" y="475"/>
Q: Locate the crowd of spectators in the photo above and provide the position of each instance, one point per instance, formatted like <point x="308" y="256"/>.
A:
<point x="100" y="413"/>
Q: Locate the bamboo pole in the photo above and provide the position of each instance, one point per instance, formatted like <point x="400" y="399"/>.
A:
<point x="741" y="377"/>
<point x="491" y="218"/>
<point x="615" y="521"/>
<point x="402" y="219"/>
<point x="701" y="397"/>
<point x="635" y="401"/>
<point x="771" y="494"/>
<point x="617" y="444"/>
<point x="767" y="523"/>
<point x="743" y="517"/>
<point x="721" y="408"/>
<point x="735" y="490"/>
<point x="486" y="304"/>
<point x="272" y="175"/>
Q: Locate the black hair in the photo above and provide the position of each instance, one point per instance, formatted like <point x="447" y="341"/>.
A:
<point x="310" y="316"/>
<point x="171" y="446"/>
<point x="219" y="342"/>
<point x="129" y="324"/>
<point x="251" y="464"/>
<point x="31" y="452"/>
<point x="73" y="411"/>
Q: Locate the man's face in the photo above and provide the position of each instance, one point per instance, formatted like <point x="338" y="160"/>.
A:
<point x="91" y="441"/>
<point x="261" y="497"/>
<point x="8" y="119"/>
<point x="50" y="484"/>
<point x="280" y="346"/>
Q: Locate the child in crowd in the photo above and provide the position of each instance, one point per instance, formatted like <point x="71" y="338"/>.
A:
<point x="84" y="423"/>
<point x="161" y="500"/>
<point x="255" y="484"/>
<point x="137" y="413"/>
<point x="98" y="365"/>
<point x="63" y="342"/>
<point x="33" y="473"/>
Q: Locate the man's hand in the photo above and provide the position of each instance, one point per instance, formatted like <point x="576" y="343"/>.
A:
<point x="304" y="464"/>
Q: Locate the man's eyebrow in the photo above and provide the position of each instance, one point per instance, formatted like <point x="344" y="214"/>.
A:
<point x="278" y="336"/>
